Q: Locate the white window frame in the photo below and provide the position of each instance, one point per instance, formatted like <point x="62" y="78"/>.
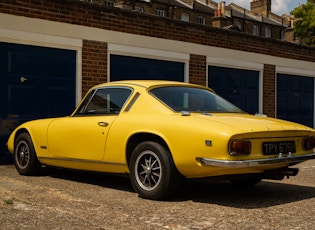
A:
<point x="255" y="30"/>
<point x="201" y="20"/>
<point x="184" y="17"/>
<point x="110" y="3"/>
<point x="267" y="32"/>
<point x="239" y="25"/>
<point x="139" y="9"/>
<point x="160" y="12"/>
<point x="283" y="35"/>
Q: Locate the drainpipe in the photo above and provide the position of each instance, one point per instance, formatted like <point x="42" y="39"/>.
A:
<point x="243" y="27"/>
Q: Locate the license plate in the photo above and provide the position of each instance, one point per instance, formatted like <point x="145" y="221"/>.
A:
<point x="284" y="147"/>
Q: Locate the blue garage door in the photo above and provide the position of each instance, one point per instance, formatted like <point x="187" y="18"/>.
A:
<point x="241" y="87"/>
<point x="295" y="99"/>
<point x="35" y="82"/>
<point x="135" y="68"/>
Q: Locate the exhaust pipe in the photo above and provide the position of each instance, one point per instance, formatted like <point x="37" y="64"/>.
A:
<point x="281" y="173"/>
<point x="289" y="172"/>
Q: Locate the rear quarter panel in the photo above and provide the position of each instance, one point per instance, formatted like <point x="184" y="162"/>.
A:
<point x="185" y="138"/>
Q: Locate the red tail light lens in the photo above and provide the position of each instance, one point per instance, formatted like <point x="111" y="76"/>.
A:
<point x="308" y="143"/>
<point x="239" y="147"/>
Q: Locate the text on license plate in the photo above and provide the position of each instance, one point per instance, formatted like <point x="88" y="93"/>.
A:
<point x="270" y="148"/>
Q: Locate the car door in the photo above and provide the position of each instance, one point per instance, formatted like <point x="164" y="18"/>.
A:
<point x="83" y="135"/>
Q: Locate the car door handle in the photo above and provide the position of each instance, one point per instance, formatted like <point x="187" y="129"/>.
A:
<point x="23" y="79"/>
<point x="103" y="124"/>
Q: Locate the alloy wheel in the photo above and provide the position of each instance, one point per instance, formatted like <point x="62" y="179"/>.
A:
<point x="148" y="170"/>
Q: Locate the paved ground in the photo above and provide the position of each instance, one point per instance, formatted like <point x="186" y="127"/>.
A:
<point x="72" y="200"/>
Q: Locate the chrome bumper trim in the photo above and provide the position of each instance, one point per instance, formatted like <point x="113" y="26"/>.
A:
<point x="252" y="163"/>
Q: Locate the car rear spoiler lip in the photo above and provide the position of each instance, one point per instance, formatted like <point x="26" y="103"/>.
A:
<point x="258" y="162"/>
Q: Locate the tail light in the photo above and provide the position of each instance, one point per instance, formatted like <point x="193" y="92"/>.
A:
<point x="239" y="147"/>
<point x="308" y="143"/>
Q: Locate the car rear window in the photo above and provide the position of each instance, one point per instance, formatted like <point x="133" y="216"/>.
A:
<point x="193" y="99"/>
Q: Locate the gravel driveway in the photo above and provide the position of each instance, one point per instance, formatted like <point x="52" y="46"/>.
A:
<point x="61" y="199"/>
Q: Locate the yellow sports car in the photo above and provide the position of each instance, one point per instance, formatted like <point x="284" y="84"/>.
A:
<point x="159" y="132"/>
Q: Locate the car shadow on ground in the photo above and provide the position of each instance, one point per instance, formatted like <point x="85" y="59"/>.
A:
<point x="119" y="182"/>
<point x="264" y="194"/>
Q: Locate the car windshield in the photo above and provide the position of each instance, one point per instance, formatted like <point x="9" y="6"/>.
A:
<point x="191" y="99"/>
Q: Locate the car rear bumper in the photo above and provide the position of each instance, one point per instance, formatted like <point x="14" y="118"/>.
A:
<point x="255" y="163"/>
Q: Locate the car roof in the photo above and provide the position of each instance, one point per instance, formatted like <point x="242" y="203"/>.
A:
<point x="147" y="83"/>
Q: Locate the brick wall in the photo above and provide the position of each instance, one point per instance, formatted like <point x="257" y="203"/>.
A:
<point x="94" y="64"/>
<point x="269" y="97"/>
<point x="82" y="13"/>
<point x="198" y="69"/>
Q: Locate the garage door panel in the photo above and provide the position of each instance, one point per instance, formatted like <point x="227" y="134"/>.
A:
<point x="282" y="85"/>
<point x="216" y="82"/>
<point x="251" y="82"/>
<point x="127" y="68"/>
<point x="250" y="102"/>
<point x="241" y="87"/>
<point x="58" y="99"/>
<point x="59" y="66"/>
<point x="237" y="100"/>
<point x="308" y="85"/>
<point x="307" y="104"/>
<point x="24" y="107"/>
<point x="3" y="62"/>
<point x="232" y="81"/>
<point x="294" y="84"/>
<point x="294" y="103"/>
<point x="35" y="82"/>
<point x="295" y="98"/>
<point x="282" y="104"/>
<point x="22" y="63"/>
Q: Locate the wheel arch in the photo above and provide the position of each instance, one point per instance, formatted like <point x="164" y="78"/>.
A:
<point x="18" y="132"/>
<point x="13" y="137"/>
<point x="137" y="138"/>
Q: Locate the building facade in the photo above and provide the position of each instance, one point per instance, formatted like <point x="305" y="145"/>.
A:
<point x="53" y="51"/>
<point x="258" y="21"/>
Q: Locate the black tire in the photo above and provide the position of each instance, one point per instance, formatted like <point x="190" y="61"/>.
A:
<point x="153" y="174"/>
<point x="25" y="159"/>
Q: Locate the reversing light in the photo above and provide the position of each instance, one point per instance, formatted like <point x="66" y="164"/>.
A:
<point x="308" y="143"/>
<point x="239" y="147"/>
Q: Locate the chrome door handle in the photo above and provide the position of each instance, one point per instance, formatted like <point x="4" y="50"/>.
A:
<point x="23" y="79"/>
<point x="103" y="124"/>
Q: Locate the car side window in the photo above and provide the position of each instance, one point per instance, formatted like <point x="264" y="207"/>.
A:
<point x="104" y="101"/>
